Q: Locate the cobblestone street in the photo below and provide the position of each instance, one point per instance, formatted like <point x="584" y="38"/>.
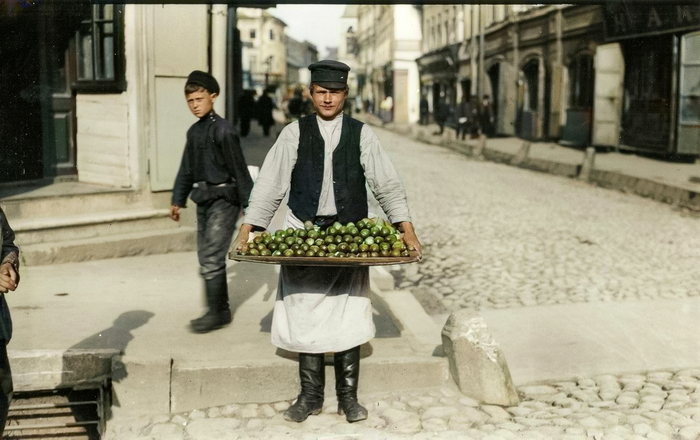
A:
<point x="495" y="237"/>
<point x="658" y="405"/>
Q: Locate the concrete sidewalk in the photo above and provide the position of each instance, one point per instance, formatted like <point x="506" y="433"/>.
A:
<point x="141" y="307"/>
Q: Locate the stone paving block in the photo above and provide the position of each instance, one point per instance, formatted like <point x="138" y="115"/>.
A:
<point x="477" y="363"/>
<point x="141" y="386"/>
<point x="202" y="386"/>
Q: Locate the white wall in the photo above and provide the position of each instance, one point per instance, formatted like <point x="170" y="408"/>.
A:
<point x="408" y="34"/>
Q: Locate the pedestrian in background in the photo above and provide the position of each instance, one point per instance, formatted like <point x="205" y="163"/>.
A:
<point x="265" y="106"/>
<point x="213" y="173"/>
<point x="442" y="112"/>
<point x="463" y="114"/>
<point x="323" y="162"/>
<point x="486" y="116"/>
<point x="246" y="110"/>
<point x="475" y="126"/>
<point x="296" y="105"/>
<point x="9" y="279"/>
<point x="424" y="111"/>
<point x="386" y="107"/>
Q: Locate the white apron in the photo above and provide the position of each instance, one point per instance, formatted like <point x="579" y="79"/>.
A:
<point x="321" y="309"/>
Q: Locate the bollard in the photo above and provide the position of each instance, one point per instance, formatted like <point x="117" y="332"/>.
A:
<point x="587" y="166"/>
<point x="477" y="363"/>
<point x="522" y="154"/>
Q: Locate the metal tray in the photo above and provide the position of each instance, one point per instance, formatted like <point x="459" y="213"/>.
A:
<point x="326" y="261"/>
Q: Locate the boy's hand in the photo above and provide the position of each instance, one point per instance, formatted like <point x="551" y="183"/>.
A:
<point x="8" y="278"/>
<point x="174" y="213"/>
<point x="240" y="243"/>
<point x="410" y="237"/>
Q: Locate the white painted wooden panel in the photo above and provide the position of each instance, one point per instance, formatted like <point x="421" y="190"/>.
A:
<point x="102" y="139"/>
<point x="181" y="38"/>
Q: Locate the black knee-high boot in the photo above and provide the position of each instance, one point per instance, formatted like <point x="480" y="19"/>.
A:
<point x="347" y="375"/>
<point x="312" y="374"/>
<point x="219" y="313"/>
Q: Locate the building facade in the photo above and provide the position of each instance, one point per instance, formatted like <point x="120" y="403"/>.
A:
<point x="348" y="48"/>
<point x="300" y="54"/>
<point x="263" y="53"/>
<point x="612" y="75"/>
<point x="100" y="89"/>
<point x="389" y="41"/>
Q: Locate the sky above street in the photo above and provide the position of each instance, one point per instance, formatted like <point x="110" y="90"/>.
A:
<point x="319" y="24"/>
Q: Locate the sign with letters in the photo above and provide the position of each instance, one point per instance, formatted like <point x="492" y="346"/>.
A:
<point x="634" y="19"/>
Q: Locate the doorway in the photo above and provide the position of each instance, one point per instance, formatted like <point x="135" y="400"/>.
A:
<point x="646" y="114"/>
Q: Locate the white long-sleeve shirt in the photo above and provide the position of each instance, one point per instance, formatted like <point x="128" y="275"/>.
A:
<point x="274" y="179"/>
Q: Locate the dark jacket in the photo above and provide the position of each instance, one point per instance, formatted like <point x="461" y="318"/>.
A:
<point x="10" y="253"/>
<point x="246" y="106"/>
<point x="348" y="175"/>
<point x="464" y="110"/>
<point x="265" y="107"/>
<point x="212" y="154"/>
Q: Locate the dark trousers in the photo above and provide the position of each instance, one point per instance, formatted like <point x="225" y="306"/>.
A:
<point x="216" y="223"/>
<point x="463" y="128"/>
<point x="5" y="384"/>
<point x="245" y="126"/>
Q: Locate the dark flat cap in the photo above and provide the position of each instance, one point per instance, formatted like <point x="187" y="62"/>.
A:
<point x="203" y="79"/>
<point x="330" y="73"/>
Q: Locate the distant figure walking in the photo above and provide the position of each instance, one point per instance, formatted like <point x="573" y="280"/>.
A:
<point x="386" y="107"/>
<point x="296" y="105"/>
<point x="265" y="105"/>
<point x="487" y="116"/>
<point x="246" y="111"/>
<point x="424" y="111"/>
<point x="442" y="111"/>
<point x="463" y="114"/>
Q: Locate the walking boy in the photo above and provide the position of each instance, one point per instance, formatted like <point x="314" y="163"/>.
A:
<point x="214" y="171"/>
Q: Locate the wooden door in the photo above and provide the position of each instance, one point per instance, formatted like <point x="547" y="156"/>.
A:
<point x="180" y="39"/>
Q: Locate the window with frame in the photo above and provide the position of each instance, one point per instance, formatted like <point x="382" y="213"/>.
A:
<point x="272" y="34"/>
<point x="100" y="50"/>
<point x="252" y="34"/>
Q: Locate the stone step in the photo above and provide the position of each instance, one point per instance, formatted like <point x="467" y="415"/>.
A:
<point x="148" y="242"/>
<point x="196" y="386"/>
<point x="58" y="201"/>
<point x="75" y="227"/>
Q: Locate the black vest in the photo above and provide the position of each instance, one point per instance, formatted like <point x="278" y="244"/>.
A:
<point x="348" y="174"/>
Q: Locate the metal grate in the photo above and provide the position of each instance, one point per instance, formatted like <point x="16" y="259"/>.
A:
<point x="64" y="413"/>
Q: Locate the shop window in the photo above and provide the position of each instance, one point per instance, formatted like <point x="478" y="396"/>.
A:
<point x="100" y="50"/>
<point x="581" y="77"/>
